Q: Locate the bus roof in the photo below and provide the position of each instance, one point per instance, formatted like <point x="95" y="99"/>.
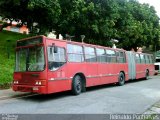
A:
<point x="76" y="43"/>
<point x="73" y="42"/>
<point x="83" y="43"/>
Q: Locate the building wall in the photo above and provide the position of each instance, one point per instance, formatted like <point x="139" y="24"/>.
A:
<point x="14" y="28"/>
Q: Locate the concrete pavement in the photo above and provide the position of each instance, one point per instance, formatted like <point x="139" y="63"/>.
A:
<point x="134" y="97"/>
<point x="9" y="93"/>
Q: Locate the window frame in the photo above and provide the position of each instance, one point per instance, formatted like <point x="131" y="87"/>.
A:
<point x="139" y="59"/>
<point x="142" y="58"/>
<point x="111" y="57"/>
<point x="101" y="55"/>
<point x="121" y="59"/>
<point x="65" y="56"/>
<point x="27" y="59"/>
<point x="90" y="54"/>
<point x="74" y="53"/>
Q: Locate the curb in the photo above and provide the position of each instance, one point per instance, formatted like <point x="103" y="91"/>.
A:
<point x="154" y="109"/>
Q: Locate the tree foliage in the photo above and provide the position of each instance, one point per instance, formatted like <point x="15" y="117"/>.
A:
<point x="44" y="12"/>
<point x="132" y="23"/>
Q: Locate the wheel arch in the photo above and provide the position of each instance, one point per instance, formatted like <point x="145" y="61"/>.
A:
<point x="147" y="74"/>
<point x="123" y="74"/>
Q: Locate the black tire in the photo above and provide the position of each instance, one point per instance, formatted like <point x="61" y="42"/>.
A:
<point x="77" y="85"/>
<point x="121" y="79"/>
<point x="147" y="75"/>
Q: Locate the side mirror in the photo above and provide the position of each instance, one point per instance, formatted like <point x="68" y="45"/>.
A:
<point x="50" y="50"/>
<point x="55" y="49"/>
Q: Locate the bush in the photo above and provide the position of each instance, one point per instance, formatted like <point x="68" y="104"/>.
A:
<point x="7" y="64"/>
<point x="6" y="69"/>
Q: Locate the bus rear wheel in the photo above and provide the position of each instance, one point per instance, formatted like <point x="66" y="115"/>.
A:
<point x="147" y="75"/>
<point x="121" y="79"/>
<point x="77" y="85"/>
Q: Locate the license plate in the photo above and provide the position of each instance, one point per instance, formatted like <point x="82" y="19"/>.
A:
<point x="35" y="88"/>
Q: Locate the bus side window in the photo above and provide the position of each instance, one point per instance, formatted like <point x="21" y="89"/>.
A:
<point x="152" y="59"/>
<point x="149" y="59"/>
<point x="121" y="57"/>
<point x="90" y="55"/>
<point x="75" y="53"/>
<point x="118" y="56"/>
<point x="56" y="60"/>
<point x="138" y="60"/>
<point x="146" y="59"/>
<point x="111" y="56"/>
<point x="101" y="57"/>
<point x="142" y="58"/>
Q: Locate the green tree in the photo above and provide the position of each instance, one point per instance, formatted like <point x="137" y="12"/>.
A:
<point x="43" y="12"/>
<point x="133" y="24"/>
<point x="137" y="25"/>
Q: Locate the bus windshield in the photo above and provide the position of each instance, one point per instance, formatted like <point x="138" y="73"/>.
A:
<point x="30" y="59"/>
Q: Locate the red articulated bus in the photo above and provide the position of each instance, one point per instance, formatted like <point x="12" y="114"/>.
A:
<point x="44" y="65"/>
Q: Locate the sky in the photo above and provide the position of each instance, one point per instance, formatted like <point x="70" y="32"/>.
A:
<point x="155" y="3"/>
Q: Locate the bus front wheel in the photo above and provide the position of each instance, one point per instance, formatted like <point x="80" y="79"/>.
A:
<point x="121" y="79"/>
<point x="77" y="85"/>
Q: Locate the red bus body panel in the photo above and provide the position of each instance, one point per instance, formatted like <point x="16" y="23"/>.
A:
<point x="141" y="70"/>
<point x="27" y="80"/>
<point x="61" y="80"/>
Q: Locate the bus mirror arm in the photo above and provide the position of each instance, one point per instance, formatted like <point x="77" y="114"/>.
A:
<point x="55" y="49"/>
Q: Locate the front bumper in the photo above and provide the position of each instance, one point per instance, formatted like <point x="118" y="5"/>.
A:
<point x="32" y="89"/>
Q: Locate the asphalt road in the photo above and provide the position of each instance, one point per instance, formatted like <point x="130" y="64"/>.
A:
<point x="133" y="97"/>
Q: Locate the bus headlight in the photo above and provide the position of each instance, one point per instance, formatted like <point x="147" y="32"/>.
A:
<point x="15" y="82"/>
<point x="38" y="83"/>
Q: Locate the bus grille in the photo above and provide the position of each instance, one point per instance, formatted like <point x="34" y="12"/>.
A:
<point x="24" y="89"/>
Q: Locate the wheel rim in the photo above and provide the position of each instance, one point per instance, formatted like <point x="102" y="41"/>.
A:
<point x="78" y="84"/>
<point x="121" y="79"/>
